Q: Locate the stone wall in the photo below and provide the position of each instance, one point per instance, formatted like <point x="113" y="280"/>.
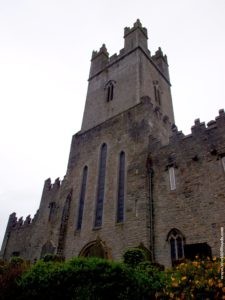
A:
<point x="197" y="204"/>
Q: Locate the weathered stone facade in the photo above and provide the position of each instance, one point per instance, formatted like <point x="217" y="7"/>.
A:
<point x="169" y="191"/>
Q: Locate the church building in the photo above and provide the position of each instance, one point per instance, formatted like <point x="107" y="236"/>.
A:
<point x="133" y="179"/>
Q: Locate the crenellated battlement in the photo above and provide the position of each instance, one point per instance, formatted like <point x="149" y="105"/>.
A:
<point x="101" y="51"/>
<point x="52" y="187"/>
<point x="17" y="223"/>
<point x="136" y="25"/>
<point x="202" y="138"/>
<point x="134" y="37"/>
<point x="201" y="134"/>
<point x="161" y="62"/>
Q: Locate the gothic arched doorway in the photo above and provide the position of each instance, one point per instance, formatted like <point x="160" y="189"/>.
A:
<point x="96" y="248"/>
<point x="48" y="248"/>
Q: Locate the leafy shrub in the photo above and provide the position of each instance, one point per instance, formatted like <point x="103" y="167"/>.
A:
<point x="133" y="257"/>
<point x="98" y="279"/>
<point x="53" y="257"/>
<point x="84" y="279"/>
<point x="199" y="279"/>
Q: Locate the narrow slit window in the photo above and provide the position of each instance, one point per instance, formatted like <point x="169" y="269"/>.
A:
<point x="121" y="188"/>
<point x="157" y="92"/>
<point x="82" y="198"/>
<point x="108" y="94"/>
<point x="109" y="87"/>
<point x="172" y="179"/>
<point x="223" y="163"/>
<point x="52" y="207"/>
<point x="101" y="186"/>
<point x="158" y="96"/>
<point x="112" y="90"/>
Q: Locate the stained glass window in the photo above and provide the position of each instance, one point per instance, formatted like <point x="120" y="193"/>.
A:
<point x="101" y="186"/>
<point x="82" y="197"/>
<point x="121" y="182"/>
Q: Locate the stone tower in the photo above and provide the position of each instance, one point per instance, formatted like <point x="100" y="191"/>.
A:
<point x="118" y="83"/>
<point x="128" y="183"/>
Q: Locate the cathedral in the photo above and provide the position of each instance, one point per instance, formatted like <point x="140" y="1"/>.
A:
<point x="133" y="179"/>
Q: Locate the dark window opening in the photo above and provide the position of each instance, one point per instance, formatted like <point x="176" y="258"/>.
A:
<point x="110" y="90"/>
<point x="15" y="253"/>
<point x="108" y="93"/>
<point x="82" y="197"/>
<point x="101" y="186"/>
<point x="121" y="183"/>
<point x="158" y="96"/>
<point x="52" y="207"/>
<point x="202" y="250"/>
<point x="157" y="92"/>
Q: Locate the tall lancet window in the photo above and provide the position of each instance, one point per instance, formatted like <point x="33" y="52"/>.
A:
<point x="82" y="198"/>
<point x="172" y="179"/>
<point x="101" y="186"/>
<point x="121" y="189"/>
<point x="157" y="92"/>
<point x="176" y="240"/>
<point x="109" y="87"/>
<point x="223" y="162"/>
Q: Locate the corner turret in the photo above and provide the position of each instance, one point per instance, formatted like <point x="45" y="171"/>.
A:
<point x="161" y="62"/>
<point x="135" y="36"/>
<point x="11" y="223"/>
<point x="99" y="60"/>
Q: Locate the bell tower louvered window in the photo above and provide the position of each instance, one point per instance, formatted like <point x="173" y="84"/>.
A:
<point x="101" y="186"/>
<point x="82" y="198"/>
<point x="121" y="183"/>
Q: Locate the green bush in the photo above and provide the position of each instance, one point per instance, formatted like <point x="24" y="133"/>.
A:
<point x="84" y="279"/>
<point x="53" y="257"/>
<point x="134" y="256"/>
<point x="98" y="279"/>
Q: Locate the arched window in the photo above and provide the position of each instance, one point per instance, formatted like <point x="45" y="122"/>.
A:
<point x="101" y="186"/>
<point x="157" y="92"/>
<point x="172" y="178"/>
<point x="63" y="226"/>
<point x="82" y="197"/>
<point x="52" y="210"/>
<point x="176" y="240"/>
<point x="109" y="87"/>
<point x="121" y="183"/>
<point x="48" y="248"/>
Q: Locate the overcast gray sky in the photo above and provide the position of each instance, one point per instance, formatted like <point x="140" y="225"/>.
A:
<point x="45" y="51"/>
